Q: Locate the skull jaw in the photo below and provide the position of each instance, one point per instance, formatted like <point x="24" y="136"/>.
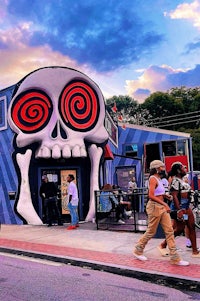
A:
<point x="95" y="154"/>
<point x="25" y="206"/>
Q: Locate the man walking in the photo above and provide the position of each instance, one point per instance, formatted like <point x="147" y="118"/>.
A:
<point x="73" y="202"/>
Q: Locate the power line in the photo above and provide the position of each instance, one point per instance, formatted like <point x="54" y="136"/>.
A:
<point x="172" y="116"/>
<point x="177" y="123"/>
<point x="177" y="119"/>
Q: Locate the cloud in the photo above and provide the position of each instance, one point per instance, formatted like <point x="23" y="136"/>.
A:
<point x="141" y="94"/>
<point x="106" y="35"/>
<point x="189" y="78"/>
<point x="188" y="11"/>
<point x="192" y="46"/>
<point x="162" y="78"/>
<point x="22" y="59"/>
<point x="2" y="10"/>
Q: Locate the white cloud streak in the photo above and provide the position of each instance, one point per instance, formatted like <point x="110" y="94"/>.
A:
<point x="188" y="11"/>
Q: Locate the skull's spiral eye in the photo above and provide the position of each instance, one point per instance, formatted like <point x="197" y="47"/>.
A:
<point x="31" y="111"/>
<point x="79" y="106"/>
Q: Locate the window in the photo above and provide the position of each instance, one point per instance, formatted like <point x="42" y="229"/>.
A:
<point x="131" y="150"/>
<point x="169" y="148"/>
<point x="174" y="148"/>
<point x="181" y="147"/>
<point x="124" y="174"/>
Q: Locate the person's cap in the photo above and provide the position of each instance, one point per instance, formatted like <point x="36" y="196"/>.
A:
<point x="156" y="164"/>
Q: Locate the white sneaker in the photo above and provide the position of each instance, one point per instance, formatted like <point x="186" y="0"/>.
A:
<point x="120" y="221"/>
<point x="129" y="213"/>
<point x="182" y="263"/>
<point x="140" y="257"/>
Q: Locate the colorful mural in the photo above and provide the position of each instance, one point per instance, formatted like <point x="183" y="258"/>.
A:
<point x="58" y="110"/>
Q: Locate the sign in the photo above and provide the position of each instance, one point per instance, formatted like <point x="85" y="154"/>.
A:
<point x="171" y="159"/>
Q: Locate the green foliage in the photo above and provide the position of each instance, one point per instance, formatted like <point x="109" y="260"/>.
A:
<point x="195" y="134"/>
<point x="177" y="109"/>
<point x="126" y="106"/>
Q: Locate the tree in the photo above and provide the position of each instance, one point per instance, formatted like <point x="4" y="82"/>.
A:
<point x="177" y="109"/>
<point x="186" y="96"/>
<point x="159" y="105"/>
<point x="125" y="109"/>
<point x="195" y="134"/>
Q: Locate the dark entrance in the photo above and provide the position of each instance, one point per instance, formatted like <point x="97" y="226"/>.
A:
<point x="152" y="152"/>
<point x="57" y="171"/>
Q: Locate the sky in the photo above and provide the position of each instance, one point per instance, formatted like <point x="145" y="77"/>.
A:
<point x="128" y="47"/>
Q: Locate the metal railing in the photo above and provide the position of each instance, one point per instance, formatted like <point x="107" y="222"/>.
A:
<point x="135" y="202"/>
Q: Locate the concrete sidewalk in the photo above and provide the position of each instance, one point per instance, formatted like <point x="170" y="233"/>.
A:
<point x="110" y="251"/>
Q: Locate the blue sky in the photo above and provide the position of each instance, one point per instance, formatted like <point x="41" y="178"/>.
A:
<point x="128" y="47"/>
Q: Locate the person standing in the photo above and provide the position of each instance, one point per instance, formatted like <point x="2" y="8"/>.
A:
<point x="48" y="192"/>
<point x="181" y="190"/>
<point x="158" y="212"/>
<point x="73" y="202"/>
<point x="132" y="192"/>
<point x="44" y="205"/>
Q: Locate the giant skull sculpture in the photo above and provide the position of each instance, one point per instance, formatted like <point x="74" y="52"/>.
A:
<point x="62" y="101"/>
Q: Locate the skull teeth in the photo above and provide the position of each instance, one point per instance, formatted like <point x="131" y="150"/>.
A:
<point x="57" y="152"/>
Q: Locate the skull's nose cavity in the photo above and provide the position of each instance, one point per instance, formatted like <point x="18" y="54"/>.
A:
<point x="63" y="133"/>
<point x="58" y="131"/>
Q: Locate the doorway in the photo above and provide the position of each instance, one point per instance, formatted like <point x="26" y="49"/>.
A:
<point x="152" y="152"/>
<point x="59" y="177"/>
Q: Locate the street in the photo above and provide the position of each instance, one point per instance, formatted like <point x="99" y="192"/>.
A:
<point x="29" y="279"/>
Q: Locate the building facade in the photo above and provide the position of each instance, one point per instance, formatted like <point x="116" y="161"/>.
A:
<point x="53" y="122"/>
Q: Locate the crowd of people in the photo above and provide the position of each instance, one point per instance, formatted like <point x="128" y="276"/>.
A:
<point x="168" y="205"/>
<point x="171" y="210"/>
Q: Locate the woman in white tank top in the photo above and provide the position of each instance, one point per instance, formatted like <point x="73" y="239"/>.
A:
<point x="158" y="213"/>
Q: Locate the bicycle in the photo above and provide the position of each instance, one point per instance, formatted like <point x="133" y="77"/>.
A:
<point x="196" y="207"/>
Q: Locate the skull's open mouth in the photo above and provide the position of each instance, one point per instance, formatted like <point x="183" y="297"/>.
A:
<point x="59" y="109"/>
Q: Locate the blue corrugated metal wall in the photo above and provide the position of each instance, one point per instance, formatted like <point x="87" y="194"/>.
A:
<point x="8" y="175"/>
<point x="139" y="135"/>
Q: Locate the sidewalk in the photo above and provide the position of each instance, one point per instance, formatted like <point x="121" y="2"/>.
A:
<point x="110" y="251"/>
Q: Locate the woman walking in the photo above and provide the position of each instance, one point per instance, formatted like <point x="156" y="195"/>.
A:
<point x="158" y="212"/>
<point x="181" y="190"/>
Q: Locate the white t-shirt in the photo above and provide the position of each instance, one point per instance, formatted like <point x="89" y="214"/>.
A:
<point x="131" y="186"/>
<point x="72" y="190"/>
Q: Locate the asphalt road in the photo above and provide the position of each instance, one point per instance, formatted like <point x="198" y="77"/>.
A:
<point x="29" y="279"/>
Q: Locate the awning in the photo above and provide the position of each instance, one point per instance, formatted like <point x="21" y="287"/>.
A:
<point x="108" y="155"/>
